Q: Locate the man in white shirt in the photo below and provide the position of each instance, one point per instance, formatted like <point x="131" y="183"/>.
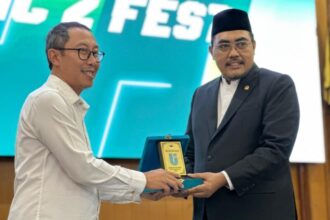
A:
<point x="57" y="176"/>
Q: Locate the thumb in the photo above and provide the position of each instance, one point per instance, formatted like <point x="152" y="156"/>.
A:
<point x="196" y="175"/>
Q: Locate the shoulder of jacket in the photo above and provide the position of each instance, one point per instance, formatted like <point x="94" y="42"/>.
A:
<point x="211" y="84"/>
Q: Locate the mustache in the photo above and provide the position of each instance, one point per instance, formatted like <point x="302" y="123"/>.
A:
<point x="234" y="60"/>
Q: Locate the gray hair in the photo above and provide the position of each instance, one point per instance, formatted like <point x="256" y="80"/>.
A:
<point x="58" y="36"/>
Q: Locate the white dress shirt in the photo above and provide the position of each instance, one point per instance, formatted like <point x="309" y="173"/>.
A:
<point x="57" y="176"/>
<point x="225" y="95"/>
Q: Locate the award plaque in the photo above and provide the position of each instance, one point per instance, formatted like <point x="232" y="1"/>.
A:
<point x="167" y="152"/>
<point x="171" y="157"/>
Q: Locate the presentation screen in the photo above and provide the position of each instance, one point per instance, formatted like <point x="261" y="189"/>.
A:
<point x="156" y="56"/>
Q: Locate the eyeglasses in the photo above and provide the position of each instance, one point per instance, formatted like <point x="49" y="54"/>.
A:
<point x="85" y="53"/>
<point x="238" y="45"/>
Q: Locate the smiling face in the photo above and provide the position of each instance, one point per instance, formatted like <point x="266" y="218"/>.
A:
<point x="67" y="65"/>
<point x="233" y="52"/>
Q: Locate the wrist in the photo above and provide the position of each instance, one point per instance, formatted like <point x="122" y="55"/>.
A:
<point x="222" y="181"/>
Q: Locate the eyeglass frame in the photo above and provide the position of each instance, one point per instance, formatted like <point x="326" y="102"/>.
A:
<point x="96" y="54"/>
<point x="239" y="45"/>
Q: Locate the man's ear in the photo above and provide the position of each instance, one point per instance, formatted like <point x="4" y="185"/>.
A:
<point x="254" y="43"/>
<point x="53" y="56"/>
<point x="211" y="50"/>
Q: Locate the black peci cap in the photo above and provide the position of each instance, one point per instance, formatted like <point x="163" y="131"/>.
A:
<point x="230" y="20"/>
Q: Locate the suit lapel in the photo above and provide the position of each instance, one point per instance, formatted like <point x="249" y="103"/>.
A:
<point x="213" y="112"/>
<point x="244" y="89"/>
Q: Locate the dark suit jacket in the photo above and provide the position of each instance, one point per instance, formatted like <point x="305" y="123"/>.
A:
<point x="252" y="144"/>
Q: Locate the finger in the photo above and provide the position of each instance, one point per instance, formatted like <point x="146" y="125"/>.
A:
<point x="196" y="189"/>
<point x="175" y="175"/>
<point x="200" y="195"/>
<point x="196" y="175"/>
<point x="176" y="184"/>
<point x="166" y="189"/>
<point x="173" y="185"/>
<point x="181" y="194"/>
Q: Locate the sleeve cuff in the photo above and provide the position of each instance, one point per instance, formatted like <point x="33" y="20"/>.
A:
<point x="138" y="184"/>
<point x="230" y="185"/>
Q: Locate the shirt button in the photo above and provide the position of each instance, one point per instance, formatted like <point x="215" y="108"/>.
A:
<point x="209" y="157"/>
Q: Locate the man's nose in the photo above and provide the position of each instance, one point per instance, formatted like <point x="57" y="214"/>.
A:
<point x="233" y="52"/>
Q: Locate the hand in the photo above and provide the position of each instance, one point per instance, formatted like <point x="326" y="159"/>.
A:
<point x="212" y="182"/>
<point x="181" y="194"/>
<point x="153" y="196"/>
<point x="161" y="179"/>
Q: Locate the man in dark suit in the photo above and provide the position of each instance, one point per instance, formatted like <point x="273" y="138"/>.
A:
<point x="242" y="126"/>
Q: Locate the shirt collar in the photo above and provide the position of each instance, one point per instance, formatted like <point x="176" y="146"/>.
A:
<point x="232" y="83"/>
<point x="67" y="92"/>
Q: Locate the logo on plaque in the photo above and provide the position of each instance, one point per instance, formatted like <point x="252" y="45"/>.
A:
<point x="171" y="156"/>
<point x="173" y="159"/>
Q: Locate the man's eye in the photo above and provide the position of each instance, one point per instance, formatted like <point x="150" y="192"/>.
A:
<point x="84" y="51"/>
<point x="224" y="46"/>
<point x="241" y="44"/>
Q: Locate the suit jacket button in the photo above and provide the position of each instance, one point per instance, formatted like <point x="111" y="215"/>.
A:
<point x="209" y="157"/>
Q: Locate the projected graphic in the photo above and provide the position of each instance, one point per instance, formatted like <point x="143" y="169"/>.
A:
<point x="120" y="86"/>
<point x="156" y="56"/>
<point x="5" y="14"/>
